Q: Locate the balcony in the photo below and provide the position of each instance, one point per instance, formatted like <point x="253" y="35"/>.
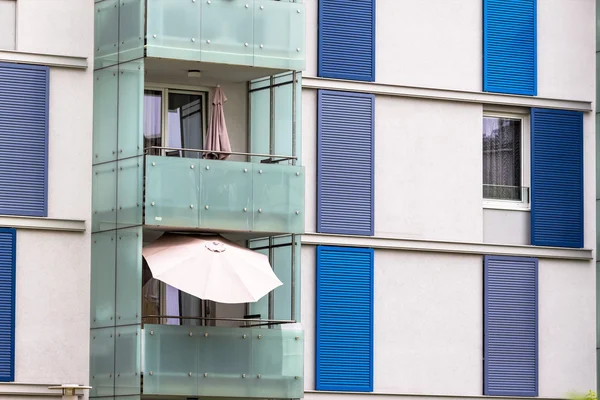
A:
<point x="229" y="196"/>
<point x="255" y="33"/>
<point x="201" y="361"/>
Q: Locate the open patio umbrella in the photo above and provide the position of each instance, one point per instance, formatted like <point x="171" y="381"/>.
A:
<point x="217" y="138"/>
<point x="211" y="268"/>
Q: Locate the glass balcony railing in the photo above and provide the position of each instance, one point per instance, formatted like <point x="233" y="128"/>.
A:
<point x="260" y="33"/>
<point x="222" y="362"/>
<point x="224" y="195"/>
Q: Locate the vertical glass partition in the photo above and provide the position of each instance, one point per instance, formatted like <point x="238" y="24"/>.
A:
<point x="275" y="115"/>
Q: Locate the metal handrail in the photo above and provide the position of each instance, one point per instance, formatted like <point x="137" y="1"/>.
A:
<point x="261" y="322"/>
<point x="233" y="153"/>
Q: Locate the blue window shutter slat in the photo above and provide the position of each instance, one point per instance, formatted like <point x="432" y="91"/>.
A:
<point x="557" y="178"/>
<point x="345" y="180"/>
<point x="510" y="326"/>
<point x="347" y="39"/>
<point x="344" y="344"/>
<point x="510" y="46"/>
<point x="7" y="299"/>
<point x="24" y="139"/>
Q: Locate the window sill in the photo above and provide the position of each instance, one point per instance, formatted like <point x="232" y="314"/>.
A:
<point x="42" y="223"/>
<point x="506" y="206"/>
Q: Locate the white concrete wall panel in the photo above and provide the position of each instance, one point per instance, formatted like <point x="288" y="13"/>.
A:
<point x="433" y="43"/>
<point x="567" y="329"/>
<point x="428" y="323"/>
<point x="428" y="175"/>
<point x="52" y="307"/>
<point x="566" y="43"/>
<point x="70" y="144"/>
<point x="8" y="24"/>
<point x="506" y="227"/>
<point x="61" y="27"/>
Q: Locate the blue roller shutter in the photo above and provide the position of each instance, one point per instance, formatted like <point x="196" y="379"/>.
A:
<point x="510" y="326"/>
<point x="7" y="300"/>
<point x="23" y="139"/>
<point x="347" y="39"/>
<point x="345" y="163"/>
<point x="344" y="353"/>
<point x="556" y="178"/>
<point x="509" y="46"/>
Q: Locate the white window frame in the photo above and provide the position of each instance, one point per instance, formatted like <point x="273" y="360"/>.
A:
<point x="179" y="89"/>
<point x="524" y="205"/>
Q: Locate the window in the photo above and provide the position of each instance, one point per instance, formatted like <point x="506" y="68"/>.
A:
<point x="175" y="119"/>
<point x="505" y="172"/>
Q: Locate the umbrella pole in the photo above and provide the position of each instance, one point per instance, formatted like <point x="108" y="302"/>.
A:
<point x="271" y="309"/>
<point x="272" y="116"/>
<point x="293" y="279"/>
<point x="293" y="126"/>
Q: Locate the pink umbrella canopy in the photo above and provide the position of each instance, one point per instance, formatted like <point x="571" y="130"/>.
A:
<point x="217" y="138"/>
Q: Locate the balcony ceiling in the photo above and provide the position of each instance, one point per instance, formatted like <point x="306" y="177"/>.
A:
<point x="160" y="70"/>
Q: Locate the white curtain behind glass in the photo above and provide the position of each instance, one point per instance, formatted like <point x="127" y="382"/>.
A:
<point x="502" y="158"/>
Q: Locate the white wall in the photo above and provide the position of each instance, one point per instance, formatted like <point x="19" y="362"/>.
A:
<point x="52" y="307"/>
<point x="7" y="24"/>
<point x="567" y="329"/>
<point x="70" y="143"/>
<point x="566" y="43"/>
<point x="38" y="29"/>
<point x="428" y="324"/>
<point x="506" y="227"/>
<point x="433" y="43"/>
<point x="428" y="175"/>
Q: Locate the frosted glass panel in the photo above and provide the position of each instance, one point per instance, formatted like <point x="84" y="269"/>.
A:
<point x="172" y="191"/>
<point x="169" y="357"/>
<point x="129" y="195"/>
<point x="102" y="290"/>
<point x="231" y="42"/>
<point x="279" y="28"/>
<point x="131" y="108"/>
<point x="106" y="33"/>
<point x="127" y="360"/>
<point x="131" y="30"/>
<point x="104" y="198"/>
<point x="174" y="29"/>
<point x="105" y="115"/>
<point x="129" y="276"/>
<point x="226" y="195"/>
<point x="278" y="198"/>
<point x="279" y="357"/>
<point x="102" y="362"/>
<point x="223" y="362"/>
<point x="225" y="357"/>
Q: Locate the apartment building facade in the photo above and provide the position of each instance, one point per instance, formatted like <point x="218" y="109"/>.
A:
<point x="45" y="194"/>
<point x="420" y="175"/>
<point x="449" y="151"/>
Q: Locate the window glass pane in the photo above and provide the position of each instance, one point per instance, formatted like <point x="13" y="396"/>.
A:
<point x="152" y="120"/>
<point x="186" y="123"/>
<point x="502" y="158"/>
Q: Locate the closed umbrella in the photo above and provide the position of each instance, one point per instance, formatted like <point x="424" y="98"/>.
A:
<point x="217" y="138"/>
<point x="211" y="268"/>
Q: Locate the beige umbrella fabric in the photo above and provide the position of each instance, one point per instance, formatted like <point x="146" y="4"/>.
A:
<point x="217" y="138"/>
<point x="211" y="268"/>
